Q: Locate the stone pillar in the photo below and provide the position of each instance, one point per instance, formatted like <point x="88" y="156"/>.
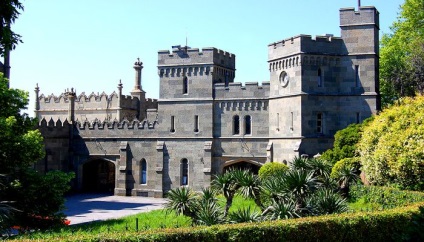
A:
<point x="119" y="111"/>
<point x="37" y="101"/>
<point x="159" y="169"/>
<point x="138" y="90"/>
<point x="269" y="152"/>
<point x="207" y="163"/>
<point x="71" y="108"/>
<point x="121" y="170"/>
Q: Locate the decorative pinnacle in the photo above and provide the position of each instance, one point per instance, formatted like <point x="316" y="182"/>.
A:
<point x="120" y="85"/>
<point x="138" y="63"/>
<point x="37" y="89"/>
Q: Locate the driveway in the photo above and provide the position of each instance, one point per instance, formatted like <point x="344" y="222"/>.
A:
<point x="83" y="208"/>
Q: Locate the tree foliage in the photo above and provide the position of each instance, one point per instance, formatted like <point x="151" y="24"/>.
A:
<point x="391" y="147"/>
<point x="402" y="54"/>
<point x="272" y="169"/>
<point x="9" y="12"/>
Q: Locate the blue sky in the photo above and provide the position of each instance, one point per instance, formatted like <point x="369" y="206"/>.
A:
<point x="92" y="44"/>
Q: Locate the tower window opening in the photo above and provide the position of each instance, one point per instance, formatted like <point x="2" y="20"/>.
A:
<point x="247" y="125"/>
<point x="185" y="85"/>
<point x="319" y="123"/>
<point x="196" y="123"/>
<point x="319" y="77"/>
<point x="357" y="78"/>
<point x="172" y="130"/>
<point x="236" y="125"/>
<point x="184" y="172"/>
<point x="358" y="117"/>
<point x="143" y="174"/>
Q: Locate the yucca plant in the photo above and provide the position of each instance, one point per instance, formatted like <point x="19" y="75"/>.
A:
<point x="299" y="163"/>
<point x="326" y="201"/>
<point x="249" y="185"/>
<point x="319" y="167"/>
<point x="281" y="209"/>
<point x="183" y="201"/>
<point x="209" y="213"/>
<point x="226" y="184"/>
<point x="245" y="215"/>
<point x="345" y="177"/>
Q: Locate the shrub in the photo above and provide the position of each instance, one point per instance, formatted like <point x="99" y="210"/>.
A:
<point x="350" y="163"/>
<point x="391" y="146"/>
<point x="272" y="169"/>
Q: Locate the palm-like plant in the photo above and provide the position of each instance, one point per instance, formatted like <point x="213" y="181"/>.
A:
<point x="325" y="201"/>
<point x="299" y="163"/>
<point x="249" y="185"/>
<point x="183" y="201"/>
<point x="226" y="184"/>
<point x="345" y="177"/>
<point x="281" y="209"/>
<point x="246" y="215"/>
<point x="319" y="167"/>
<point x="209" y="213"/>
<point x="300" y="183"/>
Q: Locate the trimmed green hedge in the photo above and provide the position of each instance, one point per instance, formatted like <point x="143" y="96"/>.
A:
<point x="399" y="224"/>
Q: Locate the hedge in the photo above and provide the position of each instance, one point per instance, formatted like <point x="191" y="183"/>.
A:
<point x="399" y="224"/>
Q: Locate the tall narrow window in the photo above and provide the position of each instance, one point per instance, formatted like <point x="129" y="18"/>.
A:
<point x="143" y="174"/>
<point x="185" y="85"/>
<point x="278" y="121"/>
<point x="357" y="79"/>
<point x="236" y="124"/>
<point x="319" y="123"/>
<point x="291" y="125"/>
<point x="196" y="123"/>
<point x="184" y="172"/>
<point x="358" y="118"/>
<point x="172" y="130"/>
<point x="319" y="77"/>
<point x="247" y="124"/>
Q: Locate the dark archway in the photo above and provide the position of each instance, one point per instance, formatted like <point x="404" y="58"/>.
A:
<point x="98" y="176"/>
<point x="243" y="165"/>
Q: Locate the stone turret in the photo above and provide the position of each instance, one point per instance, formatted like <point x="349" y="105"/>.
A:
<point x="138" y="90"/>
<point x="37" y="100"/>
<point x="71" y="94"/>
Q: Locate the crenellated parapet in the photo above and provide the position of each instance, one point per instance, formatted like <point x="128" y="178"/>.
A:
<point x="242" y="105"/>
<point x="236" y="90"/>
<point x="124" y="124"/>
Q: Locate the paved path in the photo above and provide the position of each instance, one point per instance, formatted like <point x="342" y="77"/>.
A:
<point x="83" y="208"/>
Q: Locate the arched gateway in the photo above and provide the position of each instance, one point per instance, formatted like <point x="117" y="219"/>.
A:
<point x="243" y="164"/>
<point x="98" y="176"/>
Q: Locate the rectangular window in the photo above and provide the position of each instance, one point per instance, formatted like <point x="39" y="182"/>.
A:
<point x="291" y="125"/>
<point x="247" y="125"/>
<point x="357" y="79"/>
<point x="196" y="123"/>
<point x="278" y="121"/>
<point x="172" y="130"/>
<point x="184" y="172"/>
<point x="319" y="123"/>
<point x="358" y="117"/>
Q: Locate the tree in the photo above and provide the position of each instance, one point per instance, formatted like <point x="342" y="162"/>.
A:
<point x="9" y="12"/>
<point x="401" y="52"/>
<point x="391" y="147"/>
<point x="36" y="198"/>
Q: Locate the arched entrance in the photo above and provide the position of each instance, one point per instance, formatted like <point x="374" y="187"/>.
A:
<point x="252" y="166"/>
<point x="98" y="176"/>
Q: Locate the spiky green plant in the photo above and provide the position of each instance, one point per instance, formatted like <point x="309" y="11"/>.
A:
<point x="249" y="185"/>
<point x="299" y="183"/>
<point x="326" y="201"/>
<point x="226" y="184"/>
<point x="209" y="213"/>
<point x="299" y="163"/>
<point x="183" y="201"/>
<point x="281" y="209"/>
<point x="244" y="215"/>
<point x="345" y="177"/>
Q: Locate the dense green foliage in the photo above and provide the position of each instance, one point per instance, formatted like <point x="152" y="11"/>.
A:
<point x="391" y="147"/>
<point x="345" y="142"/>
<point x="402" y="54"/>
<point x="272" y="169"/>
<point x="9" y="11"/>
<point x="346" y="163"/>
<point x="28" y="199"/>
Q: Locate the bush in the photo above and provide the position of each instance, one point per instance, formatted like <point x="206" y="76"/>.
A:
<point x="349" y="163"/>
<point x="272" y="169"/>
<point x="391" y="146"/>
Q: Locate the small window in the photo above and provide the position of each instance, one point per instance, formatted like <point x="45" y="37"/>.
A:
<point x="319" y="77"/>
<point x="172" y="130"/>
<point x="185" y="85"/>
<point x="357" y="78"/>
<point x="184" y="172"/>
<point x="358" y="117"/>
<point x="247" y="125"/>
<point x="143" y="175"/>
<point x="196" y="123"/>
<point x="278" y="121"/>
<point x="236" y="125"/>
<point x="292" y="122"/>
<point x="319" y="123"/>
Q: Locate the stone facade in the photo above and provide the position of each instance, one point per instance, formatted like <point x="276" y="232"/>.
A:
<point x="204" y="122"/>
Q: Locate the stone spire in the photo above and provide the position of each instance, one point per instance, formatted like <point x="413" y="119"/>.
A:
<point x="37" y="100"/>
<point x="138" y="66"/>
<point x="71" y="94"/>
<point x="119" y="113"/>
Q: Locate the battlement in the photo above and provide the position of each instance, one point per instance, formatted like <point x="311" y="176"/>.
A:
<point x="250" y="90"/>
<point x="320" y="44"/>
<point x="186" y="56"/>
<point x="367" y="15"/>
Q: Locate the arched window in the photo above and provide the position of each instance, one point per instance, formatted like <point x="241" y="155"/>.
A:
<point x="143" y="173"/>
<point x="236" y="125"/>
<point x="184" y="172"/>
<point x="319" y="77"/>
<point x="185" y="85"/>
<point x="247" y="124"/>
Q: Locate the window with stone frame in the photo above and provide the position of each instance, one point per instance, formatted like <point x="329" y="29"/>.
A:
<point x="236" y="125"/>
<point x="184" y="172"/>
<point x="196" y="123"/>
<point x="172" y="130"/>
<point x="185" y="85"/>
<point x="247" y="125"/>
<point x="320" y="123"/>
<point x="143" y="172"/>
<point x="319" y="78"/>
